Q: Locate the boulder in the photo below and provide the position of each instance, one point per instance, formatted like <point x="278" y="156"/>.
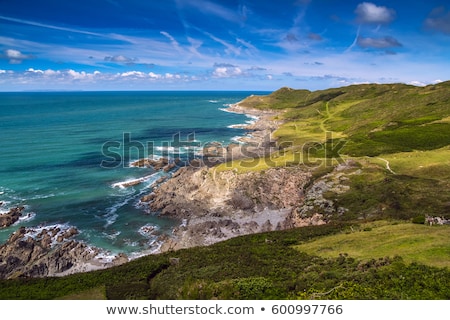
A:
<point x="10" y="217"/>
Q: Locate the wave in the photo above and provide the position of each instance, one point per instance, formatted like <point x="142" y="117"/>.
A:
<point x="177" y="150"/>
<point x="253" y="120"/>
<point x="238" y="126"/>
<point x="55" y="231"/>
<point x="228" y="110"/>
<point x="148" y="230"/>
<point x="133" y="182"/>
<point x="154" y="247"/>
<point x="28" y="217"/>
<point x="112" y="236"/>
<point x="213" y="101"/>
<point x="105" y="257"/>
<point x="237" y="139"/>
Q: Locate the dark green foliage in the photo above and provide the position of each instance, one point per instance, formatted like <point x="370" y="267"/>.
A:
<point x="419" y="219"/>
<point x="261" y="266"/>
<point x="379" y="195"/>
<point x="410" y="138"/>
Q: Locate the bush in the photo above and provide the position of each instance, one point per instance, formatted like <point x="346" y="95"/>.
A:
<point x="419" y="219"/>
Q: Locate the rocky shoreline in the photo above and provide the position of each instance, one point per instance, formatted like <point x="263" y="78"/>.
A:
<point x="211" y="206"/>
<point x="215" y="206"/>
<point x="49" y="251"/>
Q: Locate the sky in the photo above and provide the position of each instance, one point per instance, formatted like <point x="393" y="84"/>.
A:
<point x="221" y="44"/>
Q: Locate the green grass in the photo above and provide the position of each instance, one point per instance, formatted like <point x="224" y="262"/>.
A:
<point x="434" y="164"/>
<point x="98" y="293"/>
<point x="413" y="242"/>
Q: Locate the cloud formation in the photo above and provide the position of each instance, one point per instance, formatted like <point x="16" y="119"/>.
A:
<point x="439" y="20"/>
<point x="225" y="70"/>
<point x="15" y="56"/>
<point x="121" y="59"/>
<point x="378" y="43"/>
<point x="369" y="13"/>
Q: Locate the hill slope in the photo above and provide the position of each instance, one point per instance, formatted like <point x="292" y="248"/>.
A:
<point x="376" y="152"/>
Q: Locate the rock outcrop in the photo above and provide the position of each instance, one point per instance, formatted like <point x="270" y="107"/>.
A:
<point x="12" y="216"/>
<point x="49" y="251"/>
<point x="218" y="206"/>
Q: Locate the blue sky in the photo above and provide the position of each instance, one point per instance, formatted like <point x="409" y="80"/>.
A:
<point x="221" y="45"/>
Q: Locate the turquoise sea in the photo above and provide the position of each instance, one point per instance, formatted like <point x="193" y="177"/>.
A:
<point x="53" y="145"/>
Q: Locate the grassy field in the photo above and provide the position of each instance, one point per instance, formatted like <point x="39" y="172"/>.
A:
<point x="413" y="242"/>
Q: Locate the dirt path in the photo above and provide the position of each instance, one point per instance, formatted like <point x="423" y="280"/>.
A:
<point x="388" y="167"/>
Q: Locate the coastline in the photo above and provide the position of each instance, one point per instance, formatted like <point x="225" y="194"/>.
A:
<point x="215" y="206"/>
<point x="211" y="213"/>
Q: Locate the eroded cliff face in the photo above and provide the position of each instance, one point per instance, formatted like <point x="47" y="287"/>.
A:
<point x="214" y="206"/>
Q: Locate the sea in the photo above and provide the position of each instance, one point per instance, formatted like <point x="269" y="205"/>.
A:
<point x="66" y="155"/>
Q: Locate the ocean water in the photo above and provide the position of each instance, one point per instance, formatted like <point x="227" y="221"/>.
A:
<point x="64" y="154"/>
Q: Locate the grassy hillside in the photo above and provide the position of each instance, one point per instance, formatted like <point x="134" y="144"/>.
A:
<point x="398" y="139"/>
<point x="373" y="119"/>
<point x="262" y="266"/>
<point x="413" y="242"/>
<point x="398" y="134"/>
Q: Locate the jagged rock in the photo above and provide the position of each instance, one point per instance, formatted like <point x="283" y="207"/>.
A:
<point x="148" y="198"/>
<point x="28" y="253"/>
<point x="155" y="164"/>
<point x="10" y="217"/>
<point x="121" y="258"/>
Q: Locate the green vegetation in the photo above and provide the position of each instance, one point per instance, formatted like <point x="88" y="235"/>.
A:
<point x="261" y="266"/>
<point x="413" y="242"/>
<point x="398" y="138"/>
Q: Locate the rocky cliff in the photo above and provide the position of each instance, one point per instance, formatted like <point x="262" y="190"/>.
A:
<point x="215" y="206"/>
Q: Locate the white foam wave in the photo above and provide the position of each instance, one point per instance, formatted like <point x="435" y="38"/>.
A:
<point x="112" y="236"/>
<point x="105" y="257"/>
<point x="148" y="230"/>
<point x="43" y="196"/>
<point x="228" y="110"/>
<point x="238" y="126"/>
<point x="133" y="182"/>
<point x="154" y="247"/>
<point x="177" y="150"/>
<point x="237" y="139"/>
<point x="112" y="215"/>
<point x="213" y="101"/>
<point x="53" y="230"/>
<point x="28" y="217"/>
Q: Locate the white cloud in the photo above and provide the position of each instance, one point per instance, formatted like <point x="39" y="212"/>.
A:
<point x="230" y="49"/>
<point x="32" y="70"/>
<point x="154" y="75"/>
<point x="211" y="8"/>
<point x="120" y="59"/>
<point x="2" y="71"/>
<point x="226" y="71"/>
<point x="15" y="56"/>
<point x="370" y="13"/>
<point x="173" y="41"/>
<point x="138" y="74"/>
<point x="417" y="83"/>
